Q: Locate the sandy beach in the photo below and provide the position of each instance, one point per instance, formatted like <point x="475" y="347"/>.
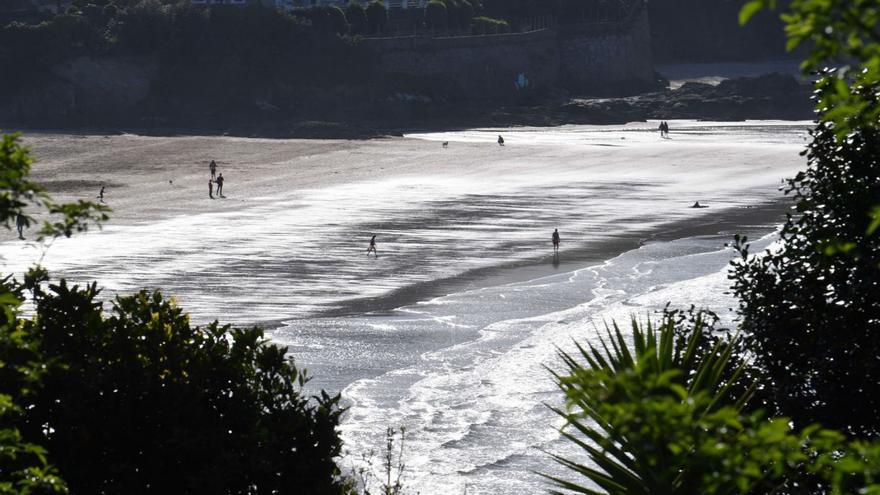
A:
<point x="447" y="331"/>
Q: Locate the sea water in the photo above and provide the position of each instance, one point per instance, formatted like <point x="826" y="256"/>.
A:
<point x="448" y="332"/>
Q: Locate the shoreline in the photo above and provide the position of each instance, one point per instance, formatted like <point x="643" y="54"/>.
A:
<point x="761" y="219"/>
<point x="287" y="240"/>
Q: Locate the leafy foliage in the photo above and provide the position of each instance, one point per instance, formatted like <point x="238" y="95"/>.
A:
<point x="658" y="416"/>
<point x="692" y="378"/>
<point x="164" y="406"/>
<point x="845" y="34"/>
<point x="810" y="305"/>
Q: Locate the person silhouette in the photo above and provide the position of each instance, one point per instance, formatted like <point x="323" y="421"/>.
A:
<point x="213" y="168"/>
<point x="210" y="189"/>
<point x="500" y="140"/>
<point x="372" y="247"/>
<point x="20" y="223"/>
<point x="101" y="195"/>
<point x="220" y="180"/>
<point x="555" y="240"/>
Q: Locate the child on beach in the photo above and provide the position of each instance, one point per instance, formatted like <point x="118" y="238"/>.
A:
<point x="556" y="240"/>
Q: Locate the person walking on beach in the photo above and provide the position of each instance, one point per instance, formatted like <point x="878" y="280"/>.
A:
<point x="500" y="140"/>
<point x="220" y="185"/>
<point x="555" y="240"/>
<point x="20" y="224"/>
<point x="101" y="195"/>
<point x="372" y="247"/>
<point x="662" y="128"/>
<point x="210" y="189"/>
<point x="213" y="168"/>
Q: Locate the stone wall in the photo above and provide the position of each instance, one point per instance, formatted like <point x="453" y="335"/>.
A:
<point x="607" y="59"/>
<point x="83" y="88"/>
<point x="612" y="58"/>
<point x="501" y="66"/>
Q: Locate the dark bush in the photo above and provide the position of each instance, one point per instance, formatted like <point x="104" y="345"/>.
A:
<point x="812" y="308"/>
<point x="164" y="407"/>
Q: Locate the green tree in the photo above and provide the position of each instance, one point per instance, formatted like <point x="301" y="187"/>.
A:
<point x="24" y="465"/>
<point x="377" y="16"/>
<point x="690" y="376"/>
<point x="844" y="34"/>
<point x="435" y="15"/>
<point x="661" y="414"/>
<point x="811" y="306"/>
<point x="357" y="17"/>
<point x="164" y="406"/>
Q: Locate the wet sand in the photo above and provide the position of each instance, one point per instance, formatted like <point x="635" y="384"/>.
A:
<point x="471" y="201"/>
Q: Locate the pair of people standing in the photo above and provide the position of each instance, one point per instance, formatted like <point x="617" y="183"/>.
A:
<point x="664" y="129"/>
<point x="215" y="179"/>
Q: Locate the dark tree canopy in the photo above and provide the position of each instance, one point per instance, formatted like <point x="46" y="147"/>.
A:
<point x="812" y="309"/>
<point x="140" y="401"/>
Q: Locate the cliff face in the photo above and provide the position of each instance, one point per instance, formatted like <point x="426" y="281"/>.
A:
<point x="404" y="75"/>
<point x="83" y="90"/>
<point x="597" y="59"/>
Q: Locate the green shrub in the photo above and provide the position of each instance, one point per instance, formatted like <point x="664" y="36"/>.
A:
<point x="811" y="307"/>
<point x="162" y="405"/>
<point x="663" y="413"/>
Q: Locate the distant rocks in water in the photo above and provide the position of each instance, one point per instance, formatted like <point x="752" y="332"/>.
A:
<point x="771" y="96"/>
